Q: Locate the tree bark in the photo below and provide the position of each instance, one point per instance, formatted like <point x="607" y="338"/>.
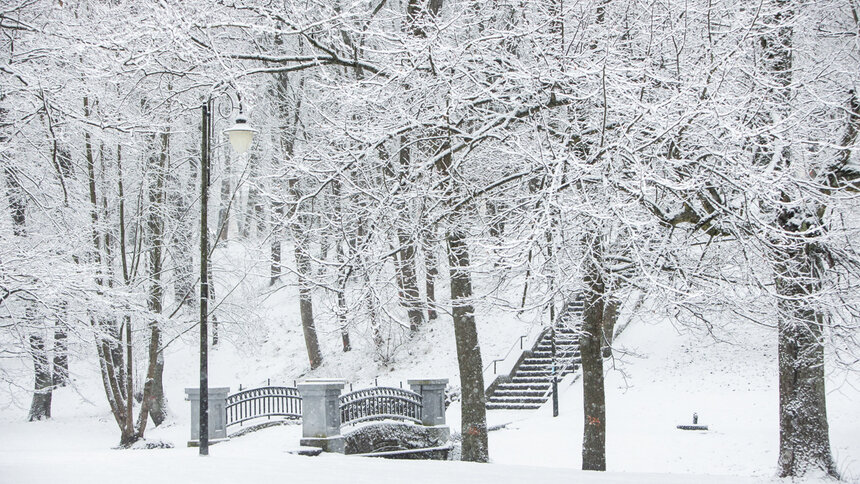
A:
<point x="410" y="295"/>
<point x="275" y="269"/>
<point x="800" y="266"/>
<point x="304" y="271"/>
<point x="431" y="272"/>
<point x="804" y="434"/>
<point x="40" y="407"/>
<point x="306" y="309"/>
<point x="610" y="317"/>
<point x="594" y="401"/>
<point x="474" y="404"/>
<point x="155" y="300"/>
<point x="61" y="350"/>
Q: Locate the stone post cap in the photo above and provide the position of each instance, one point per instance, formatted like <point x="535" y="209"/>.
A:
<point x="321" y="384"/>
<point x="194" y="393"/>
<point x="428" y="382"/>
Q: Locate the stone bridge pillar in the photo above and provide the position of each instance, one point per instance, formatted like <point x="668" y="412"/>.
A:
<point x="433" y="399"/>
<point x="321" y="414"/>
<point x="217" y="414"/>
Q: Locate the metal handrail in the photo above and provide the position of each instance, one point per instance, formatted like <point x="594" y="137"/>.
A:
<point x="497" y="360"/>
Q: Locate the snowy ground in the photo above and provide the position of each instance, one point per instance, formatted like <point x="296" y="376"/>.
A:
<point x="660" y="376"/>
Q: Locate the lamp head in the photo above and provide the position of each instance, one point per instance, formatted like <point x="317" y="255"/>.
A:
<point x="241" y="135"/>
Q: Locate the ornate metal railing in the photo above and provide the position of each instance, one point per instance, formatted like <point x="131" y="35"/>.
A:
<point x="380" y="403"/>
<point x="263" y="402"/>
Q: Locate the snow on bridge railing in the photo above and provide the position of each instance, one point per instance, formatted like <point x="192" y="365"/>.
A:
<point x="269" y="401"/>
<point x="380" y="403"/>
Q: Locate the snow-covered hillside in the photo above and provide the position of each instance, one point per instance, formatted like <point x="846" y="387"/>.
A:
<point x="660" y="375"/>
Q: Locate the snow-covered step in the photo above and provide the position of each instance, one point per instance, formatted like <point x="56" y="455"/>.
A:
<point x="513" y="406"/>
<point x="539" y="385"/>
<point x="519" y="393"/>
<point x="531" y="378"/>
<point x="518" y="400"/>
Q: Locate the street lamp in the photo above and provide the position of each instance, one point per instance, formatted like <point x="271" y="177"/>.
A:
<point x="240" y="136"/>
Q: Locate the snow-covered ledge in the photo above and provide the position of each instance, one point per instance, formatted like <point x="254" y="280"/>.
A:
<point x="321" y="414"/>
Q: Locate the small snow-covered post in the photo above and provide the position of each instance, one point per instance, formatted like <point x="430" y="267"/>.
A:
<point x="217" y="414"/>
<point x="321" y="414"/>
<point x="433" y="404"/>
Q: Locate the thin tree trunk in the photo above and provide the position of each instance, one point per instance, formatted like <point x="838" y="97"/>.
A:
<point x="213" y="316"/>
<point x="304" y="271"/>
<point x="182" y="248"/>
<point x="306" y="309"/>
<point x="226" y="195"/>
<point x="105" y="331"/>
<point x="431" y="271"/>
<point x="275" y="272"/>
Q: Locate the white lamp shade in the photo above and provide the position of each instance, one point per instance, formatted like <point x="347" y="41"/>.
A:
<point x="241" y="135"/>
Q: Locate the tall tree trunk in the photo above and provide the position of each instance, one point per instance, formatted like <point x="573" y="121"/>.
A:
<point x="343" y="267"/>
<point x="254" y="207"/>
<point x="410" y="294"/>
<point x="431" y="272"/>
<point x="61" y="349"/>
<point x="277" y="222"/>
<point x="40" y="407"/>
<point x="800" y="265"/>
<point x="474" y="404"/>
<point x="594" y="401"/>
<point x="105" y="331"/>
<point x="182" y="240"/>
<point x="306" y="309"/>
<point x="610" y="317"/>
<point x="804" y="434"/>
<point x="155" y="300"/>
<point x="213" y="315"/>
<point x="305" y="274"/>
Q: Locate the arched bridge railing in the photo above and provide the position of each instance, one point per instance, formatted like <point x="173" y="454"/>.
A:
<point x="380" y="403"/>
<point x="263" y="402"/>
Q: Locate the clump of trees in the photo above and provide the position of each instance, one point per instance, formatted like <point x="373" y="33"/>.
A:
<point x="601" y="148"/>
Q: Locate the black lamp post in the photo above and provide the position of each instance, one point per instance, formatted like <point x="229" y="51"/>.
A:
<point x="240" y="136"/>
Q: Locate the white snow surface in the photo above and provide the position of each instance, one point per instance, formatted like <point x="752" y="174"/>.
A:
<point x="660" y="375"/>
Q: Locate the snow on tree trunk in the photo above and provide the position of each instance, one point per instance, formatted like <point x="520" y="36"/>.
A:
<point x="804" y="437"/>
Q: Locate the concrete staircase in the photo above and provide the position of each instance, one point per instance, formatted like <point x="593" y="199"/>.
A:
<point x="529" y="384"/>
